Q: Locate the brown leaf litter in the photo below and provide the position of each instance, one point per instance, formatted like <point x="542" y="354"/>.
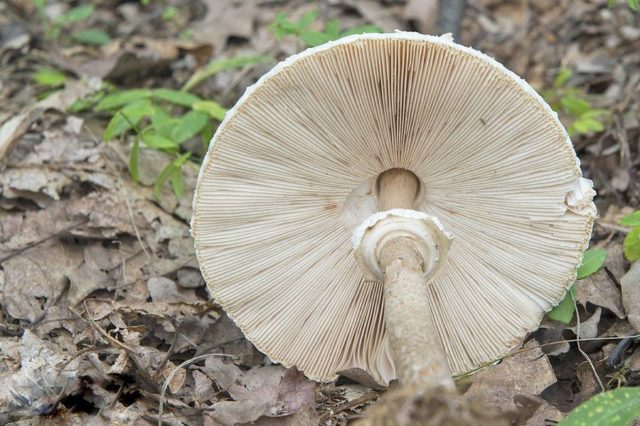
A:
<point x="102" y="298"/>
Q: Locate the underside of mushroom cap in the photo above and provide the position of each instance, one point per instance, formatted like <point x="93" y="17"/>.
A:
<point x="291" y="173"/>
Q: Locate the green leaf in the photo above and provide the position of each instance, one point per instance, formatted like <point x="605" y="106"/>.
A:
<point x="81" y="105"/>
<point x="282" y="26"/>
<point x="176" y="183"/>
<point x="169" y="13"/>
<point x="592" y="261"/>
<point x="279" y="33"/>
<point x="634" y="5"/>
<point x="40" y="4"/>
<point x="177" y="97"/>
<point x="632" y="219"/>
<point x="156" y="141"/>
<point x="85" y="103"/>
<point x="77" y="14"/>
<point x="575" y="105"/>
<point x="631" y="245"/>
<point x="162" y="122"/>
<point x="206" y="134"/>
<point x="49" y="77"/>
<point x="126" y="118"/>
<point x="618" y="407"/>
<point x="214" y="109"/>
<point x="563" y="312"/>
<point x="588" y="125"/>
<point x="168" y="171"/>
<point x="119" y="99"/>
<point x="189" y="125"/>
<point x="562" y="77"/>
<point x="314" y="38"/>
<point x="134" y="159"/>
<point x="612" y="3"/>
<point x="595" y="113"/>
<point x="361" y="29"/>
<point x="216" y="66"/>
<point x="332" y="29"/>
<point x="92" y="36"/>
<point x="307" y="19"/>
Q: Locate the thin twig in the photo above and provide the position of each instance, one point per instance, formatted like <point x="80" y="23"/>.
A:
<point x="40" y="241"/>
<point x="613" y="227"/>
<point x="543" y="345"/>
<point x="170" y="352"/>
<point x="586" y="357"/>
<point x="362" y="399"/>
<point x="94" y="324"/>
<point x="76" y="355"/>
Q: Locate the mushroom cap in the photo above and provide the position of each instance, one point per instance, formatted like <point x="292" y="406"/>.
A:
<point x="291" y="173"/>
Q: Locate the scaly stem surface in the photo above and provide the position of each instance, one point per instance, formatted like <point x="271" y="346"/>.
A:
<point x="417" y="350"/>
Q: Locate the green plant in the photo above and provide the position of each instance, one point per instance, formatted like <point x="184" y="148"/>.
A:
<point x="633" y="4"/>
<point x="618" y="407"/>
<point x="592" y="261"/>
<point x="218" y="65"/>
<point x="48" y="80"/>
<point x="169" y="12"/>
<point x="49" y="77"/>
<point x="631" y="243"/>
<point x="162" y="119"/>
<point x="574" y="109"/>
<point x="81" y="13"/>
<point x="283" y="26"/>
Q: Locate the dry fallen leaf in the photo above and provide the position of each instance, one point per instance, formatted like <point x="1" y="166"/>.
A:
<point x="133" y="55"/>
<point x="525" y="374"/>
<point x="165" y="290"/>
<point x="263" y="391"/>
<point x="630" y="284"/>
<point x="92" y="275"/>
<point x="599" y="290"/>
<point x="202" y="387"/>
<point x="12" y="130"/>
<point x="225" y="18"/>
<point x="224" y="373"/>
<point x="296" y="392"/>
<point x="35" y="280"/>
<point x="33" y="383"/>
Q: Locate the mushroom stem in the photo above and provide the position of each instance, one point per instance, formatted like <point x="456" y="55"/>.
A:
<point x="397" y="189"/>
<point x="417" y="350"/>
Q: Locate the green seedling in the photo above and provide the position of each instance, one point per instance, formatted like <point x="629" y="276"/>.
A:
<point x="64" y="22"/>
<point x="219" y="65"/>
<point x="49" y="77"/>
<point x="631" y="244"/>
<point x="162" y="119"/>
<point x="302" y="28"/>
<point x="49" y="81"/>
<point x="574" y="109"/>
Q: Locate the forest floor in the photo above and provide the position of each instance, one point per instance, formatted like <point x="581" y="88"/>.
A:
<point x="101" y="295"/>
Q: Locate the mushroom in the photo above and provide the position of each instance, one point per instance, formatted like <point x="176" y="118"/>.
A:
<point x="393" y="204"/>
